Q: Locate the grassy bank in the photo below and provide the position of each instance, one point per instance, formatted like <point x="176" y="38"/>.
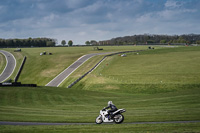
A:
<point x="42" y="69"/>
<point x="81" y="70"/>
<point x="160" y="67"/>
<point x="2" y="62"/>
<point x="75" y="105"/>
<point x="132" y="82"/>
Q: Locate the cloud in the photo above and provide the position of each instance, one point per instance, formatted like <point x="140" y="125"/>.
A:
<point x="173" y="4"/>
<point x="82" y="20"/>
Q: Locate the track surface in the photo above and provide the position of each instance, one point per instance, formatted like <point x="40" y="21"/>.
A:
<point x="10" y="65"/>
<point x="39" y="123"/>
<point x="63" y="75"/>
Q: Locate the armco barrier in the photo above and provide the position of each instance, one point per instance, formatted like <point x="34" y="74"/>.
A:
<point x="16" y="84"/>
<point x="97" y="65"/>
<point x="20" y="69"/>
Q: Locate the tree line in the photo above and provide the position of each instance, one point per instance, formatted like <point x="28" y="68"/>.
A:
<point x="30" y="42"/>
<point x="149" y="39"/>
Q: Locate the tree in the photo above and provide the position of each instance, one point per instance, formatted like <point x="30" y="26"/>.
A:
<point x="93" y="42"/>
<point x="163" y="41"/>
<point x="87" y="42"/>
<point x="50" y="44"/>
<point x="198" y="42"/>
<point x="70" y="43"/>
<point x="63" y="42"/>
<point x="181" y="40"/>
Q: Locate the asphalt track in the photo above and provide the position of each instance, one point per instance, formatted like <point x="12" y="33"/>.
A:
<point x="40" y="123"/>
<point x="63" y="75"/>
<point x="10" y="65"/>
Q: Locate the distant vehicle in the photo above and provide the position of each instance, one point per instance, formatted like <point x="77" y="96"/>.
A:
<point x="150" y="48"/>
<point x="123" y="55"/>
<point x="18" y="50"/>
<point x="44" y="53"/>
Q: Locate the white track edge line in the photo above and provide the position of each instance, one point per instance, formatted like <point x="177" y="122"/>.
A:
<point x="98" y="64"/>
<point x="74" y="70"/>
<point x="7" y="64"/>
<point x="64" y="70"/>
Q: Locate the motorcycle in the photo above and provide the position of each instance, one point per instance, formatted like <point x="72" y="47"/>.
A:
<point x="117" y="116"/>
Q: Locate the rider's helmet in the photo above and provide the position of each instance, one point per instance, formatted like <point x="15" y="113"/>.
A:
<point x="110" y="103"/>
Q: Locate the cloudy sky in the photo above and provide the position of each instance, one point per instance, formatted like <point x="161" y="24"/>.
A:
<point x="82" y="20"/>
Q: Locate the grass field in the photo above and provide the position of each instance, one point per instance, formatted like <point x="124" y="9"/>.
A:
<point x="47" y="104"/>
<point x="75" y="105"/>
<point x="123" y="128"/>
<point x="132" y="82"/>
<point x="2" y="62"/>
<point x="153" y="67"/>
<point x="42" y="69"/>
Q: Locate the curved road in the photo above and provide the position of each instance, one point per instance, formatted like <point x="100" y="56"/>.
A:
<point x="10" y="65"/>
<point x="40" y="123"/>
<point x="63" y="75"/>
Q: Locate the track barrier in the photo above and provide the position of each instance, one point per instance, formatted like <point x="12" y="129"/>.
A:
<point x="20" y="69"/>
<point x="16" y="84"/>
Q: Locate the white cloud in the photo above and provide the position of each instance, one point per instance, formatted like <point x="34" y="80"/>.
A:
<point x="144" y="18"/>
<point x="173" y="4"/>
<point x="82" y="20"/>
<point x="82" y="33"/>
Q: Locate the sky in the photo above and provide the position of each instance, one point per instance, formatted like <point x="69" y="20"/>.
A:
<point x="85" y="20"/>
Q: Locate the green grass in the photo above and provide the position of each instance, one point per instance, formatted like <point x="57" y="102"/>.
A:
<point x="48" y="104"/>
<point x="131" y="82"/>
<point x="2" y="62"/>
<point x="19" y="58"/>
<point x="123" y="128"/>
<point x="81" y="70"/>
<point x="175" y="66"/>
<point x="91" y="62"/>
<point x="42" y="69"/>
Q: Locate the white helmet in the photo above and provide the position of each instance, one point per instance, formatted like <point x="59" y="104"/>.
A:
<point x="110" y="103"/>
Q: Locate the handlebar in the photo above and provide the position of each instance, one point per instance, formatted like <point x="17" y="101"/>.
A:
<point x="103" y="109"/>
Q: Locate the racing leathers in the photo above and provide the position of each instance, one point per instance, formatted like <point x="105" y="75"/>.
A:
<point x="112" y="107"/>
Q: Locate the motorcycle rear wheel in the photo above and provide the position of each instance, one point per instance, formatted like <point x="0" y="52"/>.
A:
<point x="99" y="120"/>
<point x="118" y="118"/>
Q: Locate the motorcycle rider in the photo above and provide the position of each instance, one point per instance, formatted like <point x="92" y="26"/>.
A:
<point x="112" y="107"/>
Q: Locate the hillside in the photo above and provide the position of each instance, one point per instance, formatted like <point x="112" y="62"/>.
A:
<point x="42" y="69"/>
<point x="132" y="82"/>
<point x="153" y="67"/>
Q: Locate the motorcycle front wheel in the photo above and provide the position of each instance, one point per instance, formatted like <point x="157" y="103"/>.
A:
<point x="118" y="118"/>
<point x="99" y="120"/>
